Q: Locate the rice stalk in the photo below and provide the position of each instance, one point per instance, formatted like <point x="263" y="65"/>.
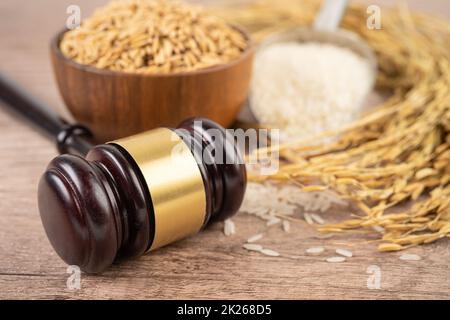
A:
<point x="395" y="154"/>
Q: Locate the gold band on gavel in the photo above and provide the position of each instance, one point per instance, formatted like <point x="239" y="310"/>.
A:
<point x="174" y="182"/>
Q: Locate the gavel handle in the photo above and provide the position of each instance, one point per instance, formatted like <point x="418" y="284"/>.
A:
<point x="69" y="138"/>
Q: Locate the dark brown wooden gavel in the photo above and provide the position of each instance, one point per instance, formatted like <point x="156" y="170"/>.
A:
<point x="133" y="195"/>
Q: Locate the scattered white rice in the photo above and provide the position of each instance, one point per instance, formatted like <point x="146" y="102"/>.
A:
<point x="315" y="250"/>
<point x="286" y="226"/>
<point x="229" y="228"/>
<point x="273" y="221"/>
<point x="252" y="247"/>
<point x="306" y="88"/>
<point x="378" y="229"/>
<point x="335" y="259"/>
<point x="318" y="219"/>
<point x="344" y="252"/>
<point x="266" y="200"/>
<point x="255" y="238"/>
<point x="259" y="248"/>
<point x="269" y="201"/>
<point x="410" y="257"/>
<point x="308" y="218"/>
<point x="269" y="252"/>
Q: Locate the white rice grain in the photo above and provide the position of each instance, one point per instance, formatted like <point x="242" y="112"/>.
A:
<point x="286" y="226"/>
<point x="315" y="250"/>
<point x="255" y="238"/>
<point x="269" y="252"/>
<point x="266" y="200"/>
<point x="273" y="221"/>
<point x="318" y="219"/>
<point x="308" y="218"/>
<point x="335" y="259"/>
<point x="410" y="257"/>
<point x="378" y="229"/>
<point x="252" y="247"/>
<point x="344" y="252"/>
<point x="229" y="228"/>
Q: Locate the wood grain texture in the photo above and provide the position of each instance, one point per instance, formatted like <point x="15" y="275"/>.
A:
<point x="208" y="265"/>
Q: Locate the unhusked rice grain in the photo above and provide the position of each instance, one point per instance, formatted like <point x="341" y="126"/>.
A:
<point x="152" y="36"/>
<point x="318" y="219"/>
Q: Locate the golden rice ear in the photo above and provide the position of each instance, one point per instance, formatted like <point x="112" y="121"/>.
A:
<point x="164" y="37"/>
<point x="396" y="153"/>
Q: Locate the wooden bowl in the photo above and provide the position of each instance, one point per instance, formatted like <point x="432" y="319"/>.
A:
<point x="118" y="104"/>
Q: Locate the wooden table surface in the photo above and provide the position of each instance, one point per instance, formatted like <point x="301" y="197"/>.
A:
<point x="209" y="265"/>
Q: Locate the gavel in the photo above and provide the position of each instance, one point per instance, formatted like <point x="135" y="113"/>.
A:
<point x="119" y="200"/>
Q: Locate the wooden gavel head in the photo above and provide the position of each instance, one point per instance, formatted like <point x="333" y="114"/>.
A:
<point x="137" y="194"/>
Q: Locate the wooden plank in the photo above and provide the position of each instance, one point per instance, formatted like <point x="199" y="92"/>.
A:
<point x="209" y="265"/>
